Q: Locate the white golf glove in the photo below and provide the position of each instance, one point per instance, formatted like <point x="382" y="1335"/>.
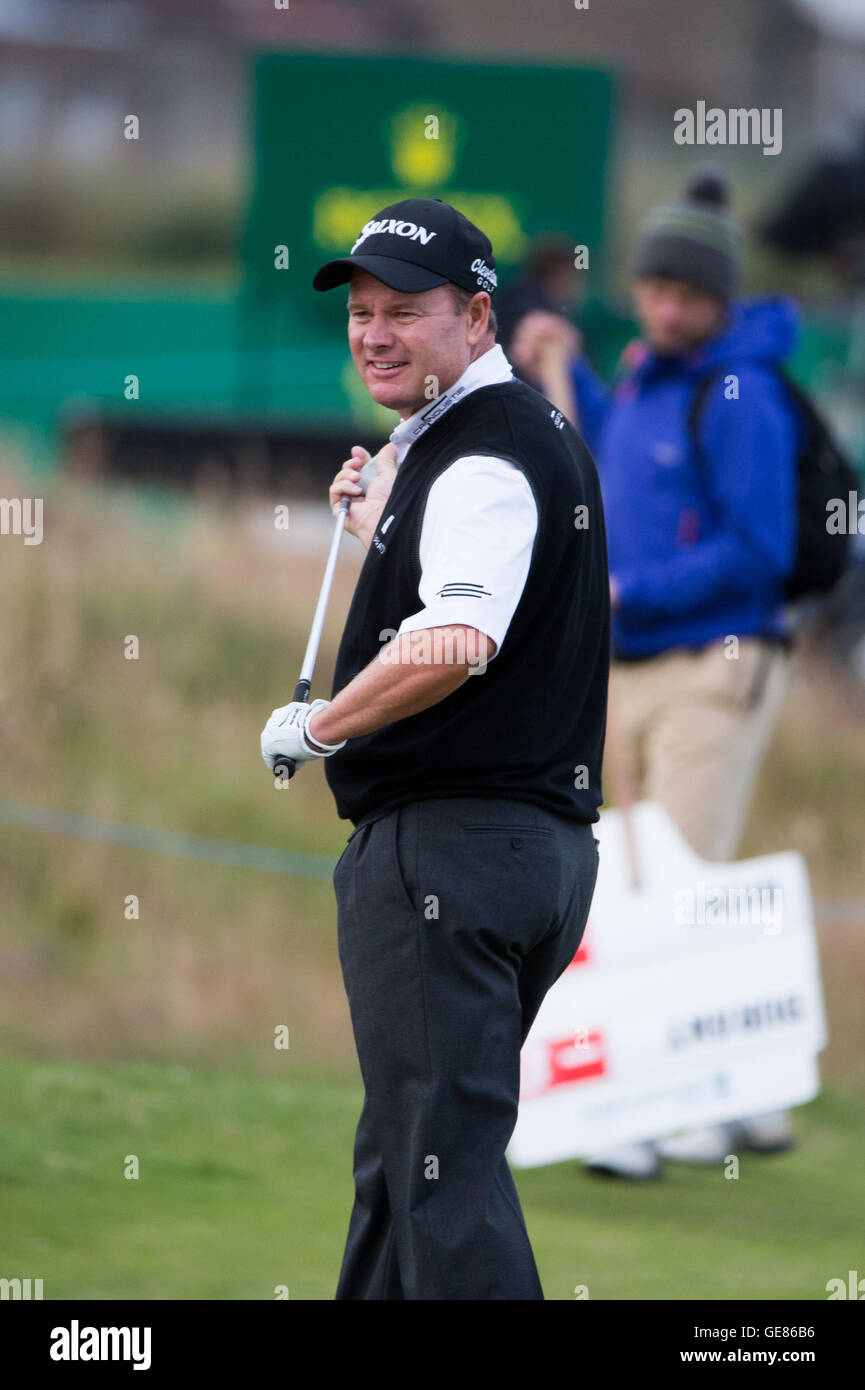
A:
<point x="284" y="734"/>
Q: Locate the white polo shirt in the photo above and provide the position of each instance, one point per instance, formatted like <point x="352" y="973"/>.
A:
<point x="479" y="523"/>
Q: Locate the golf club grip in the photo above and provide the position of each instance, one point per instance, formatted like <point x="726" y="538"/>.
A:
<point x="286" y="767"/>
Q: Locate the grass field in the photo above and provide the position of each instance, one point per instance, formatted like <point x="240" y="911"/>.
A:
<point x="245" y="1184"/>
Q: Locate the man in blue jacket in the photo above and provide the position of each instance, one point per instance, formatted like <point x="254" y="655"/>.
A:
<point x="696" y="448"/>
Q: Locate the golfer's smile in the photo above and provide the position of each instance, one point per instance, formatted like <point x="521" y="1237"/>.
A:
<point x="382" y="367"/>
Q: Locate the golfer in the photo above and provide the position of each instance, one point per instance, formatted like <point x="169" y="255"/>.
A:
<point x="463" y="741"/>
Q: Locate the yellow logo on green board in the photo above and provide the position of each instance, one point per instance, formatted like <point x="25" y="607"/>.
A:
<point x="423" y="146"/>
<point x="424" y="143"/>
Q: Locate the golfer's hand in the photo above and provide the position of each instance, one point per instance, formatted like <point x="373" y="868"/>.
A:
<point x="284" y="734"/>
<point x="365" y="511"/>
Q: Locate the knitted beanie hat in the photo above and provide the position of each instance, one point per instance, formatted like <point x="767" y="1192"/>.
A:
<point x="695" y="239"/>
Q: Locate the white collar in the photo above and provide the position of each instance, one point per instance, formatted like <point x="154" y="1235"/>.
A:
<point x="487" y="370"/>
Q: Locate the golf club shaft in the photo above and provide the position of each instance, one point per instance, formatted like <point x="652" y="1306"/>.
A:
<point x="285" y="766"/>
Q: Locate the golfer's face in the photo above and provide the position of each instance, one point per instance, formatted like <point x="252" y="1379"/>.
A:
<point x="407" y="348"/>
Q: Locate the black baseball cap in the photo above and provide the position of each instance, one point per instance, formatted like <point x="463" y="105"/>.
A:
<point x="415" y="245"/>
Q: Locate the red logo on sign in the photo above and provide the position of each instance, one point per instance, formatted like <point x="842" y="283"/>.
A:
<point x="575" y="1059"/>
<point x="549" y="1064"/>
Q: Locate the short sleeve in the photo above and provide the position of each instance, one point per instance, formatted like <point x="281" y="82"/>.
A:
<point x="476" y="543"/>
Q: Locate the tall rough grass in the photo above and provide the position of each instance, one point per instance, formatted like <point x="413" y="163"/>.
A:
<point x="221" y="604"/>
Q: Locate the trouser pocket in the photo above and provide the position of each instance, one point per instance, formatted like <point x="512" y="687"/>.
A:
<point x="357" y="830"/>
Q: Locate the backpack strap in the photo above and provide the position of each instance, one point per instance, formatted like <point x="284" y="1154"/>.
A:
<point x="697" y="407"/>
<point x="693" y="421"/>
<point x="816" y="434"/>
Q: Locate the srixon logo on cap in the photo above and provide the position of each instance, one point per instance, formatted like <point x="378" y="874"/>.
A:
<point x="487" y="278"/>
<point x="392" y="226"/>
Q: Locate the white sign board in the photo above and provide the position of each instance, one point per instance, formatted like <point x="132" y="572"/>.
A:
<point x="693" y="999"/>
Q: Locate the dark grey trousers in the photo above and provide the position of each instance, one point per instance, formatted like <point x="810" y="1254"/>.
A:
<point x="455" y="916"/>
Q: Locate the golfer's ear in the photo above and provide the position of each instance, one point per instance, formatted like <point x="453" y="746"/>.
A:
<point x="476" y="313"/>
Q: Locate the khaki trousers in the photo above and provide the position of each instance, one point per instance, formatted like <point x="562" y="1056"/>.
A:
<point x="695" y="725"/>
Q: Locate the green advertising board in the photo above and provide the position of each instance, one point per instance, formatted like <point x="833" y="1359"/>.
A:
<point x="520" y="150"/>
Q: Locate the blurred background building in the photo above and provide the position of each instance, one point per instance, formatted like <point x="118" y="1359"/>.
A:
<point x="163" y="219"/>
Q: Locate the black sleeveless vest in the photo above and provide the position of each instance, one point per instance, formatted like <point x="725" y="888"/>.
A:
<point x="531" y="725"/>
